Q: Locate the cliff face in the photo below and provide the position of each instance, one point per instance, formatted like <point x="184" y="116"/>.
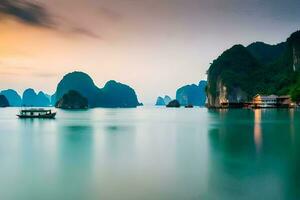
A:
<point x="229" y="77"/>
<point x="221" y="97"/>
<point x="296" y="59"/>
<point x="294" y="45"/>
<point x="240" y="73"/>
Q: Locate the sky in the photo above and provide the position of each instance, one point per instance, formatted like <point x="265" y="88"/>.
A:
<point x="154" y="46"/>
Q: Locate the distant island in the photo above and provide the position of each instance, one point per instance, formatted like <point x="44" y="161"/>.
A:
<point x="192" y="94"/>
<point x="29" y="98"/>
<point x="3" y="101"/>
<point x="241" y="72"/>
<point x="76" y="85"/>
<point x="163" y="101"/>
<point x="240" y="75"/>
<point x="188" y="95"/>
<point x="112" y="95"/>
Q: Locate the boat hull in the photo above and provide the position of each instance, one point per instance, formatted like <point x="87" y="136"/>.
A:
<point x="45" y="116"/>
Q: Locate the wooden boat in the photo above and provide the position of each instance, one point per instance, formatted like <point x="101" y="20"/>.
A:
<point x="189" y="106"/>
<point x="37" y="113"/>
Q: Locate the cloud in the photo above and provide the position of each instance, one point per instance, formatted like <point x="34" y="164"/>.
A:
<point x="35" y="14"/>
<point x="85" y="32"/>
<point x="27" y="12"/>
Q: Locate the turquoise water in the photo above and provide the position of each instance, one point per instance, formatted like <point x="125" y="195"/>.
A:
<point x="151" y="154"/>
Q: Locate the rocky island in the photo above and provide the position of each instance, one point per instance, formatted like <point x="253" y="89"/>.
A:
<point x="77" y="85"/>
<point x="32" y="99"/>
<point x="242" y="72"/>
<point x="112" y="95"/>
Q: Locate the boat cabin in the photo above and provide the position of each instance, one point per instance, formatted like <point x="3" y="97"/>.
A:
<point x="36" y="113"/>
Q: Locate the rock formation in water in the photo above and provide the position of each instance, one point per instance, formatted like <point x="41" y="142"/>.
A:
<point x="167" y="99"/>
<point x="79" y="82"/>
<point x="113" y="94"/>
<point x="160" y="101"/>
<point x="163" y="101"/>
<point x="42" y="100"/>
<point x="192" y="94"/>
<point x="173" y="104"/>
<point x="72" y="100"/>
<point x="31" y="99"/>
<point x="3" y="101"/>
<point x="240" y="73"/>
<point x="13" y="97"/>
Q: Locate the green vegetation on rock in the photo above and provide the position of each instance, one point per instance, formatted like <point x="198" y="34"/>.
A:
<point x="72" y="100"/>
<point x="273" y="69"/>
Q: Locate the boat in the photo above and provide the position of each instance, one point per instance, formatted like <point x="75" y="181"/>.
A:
<point x="189" y="106"/>
<point x="37" y="113"/>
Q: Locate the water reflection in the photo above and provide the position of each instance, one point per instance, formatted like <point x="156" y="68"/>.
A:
<point x="257" y="129"/>
<point x="267" y="168"/>
<point x="75" y="153"/>
<point x="152" y="154"/>
<point x="292" y="124"/>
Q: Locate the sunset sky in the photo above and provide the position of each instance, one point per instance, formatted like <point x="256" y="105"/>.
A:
<point x="155" y="46"/>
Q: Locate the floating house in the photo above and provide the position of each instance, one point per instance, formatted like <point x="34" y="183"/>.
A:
<point x="260" y="101"/>
<point x="271" y="101"/>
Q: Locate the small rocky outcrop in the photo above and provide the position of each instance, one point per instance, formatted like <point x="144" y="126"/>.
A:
<point x="173" y="104"/>
<point x="3" y="101"/>
<point x="72" y="100"/>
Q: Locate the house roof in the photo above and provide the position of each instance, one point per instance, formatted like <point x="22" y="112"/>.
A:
<point x="266" y="97"/>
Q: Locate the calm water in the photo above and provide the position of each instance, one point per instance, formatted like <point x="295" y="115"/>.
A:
<point x="151" y="154"/>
